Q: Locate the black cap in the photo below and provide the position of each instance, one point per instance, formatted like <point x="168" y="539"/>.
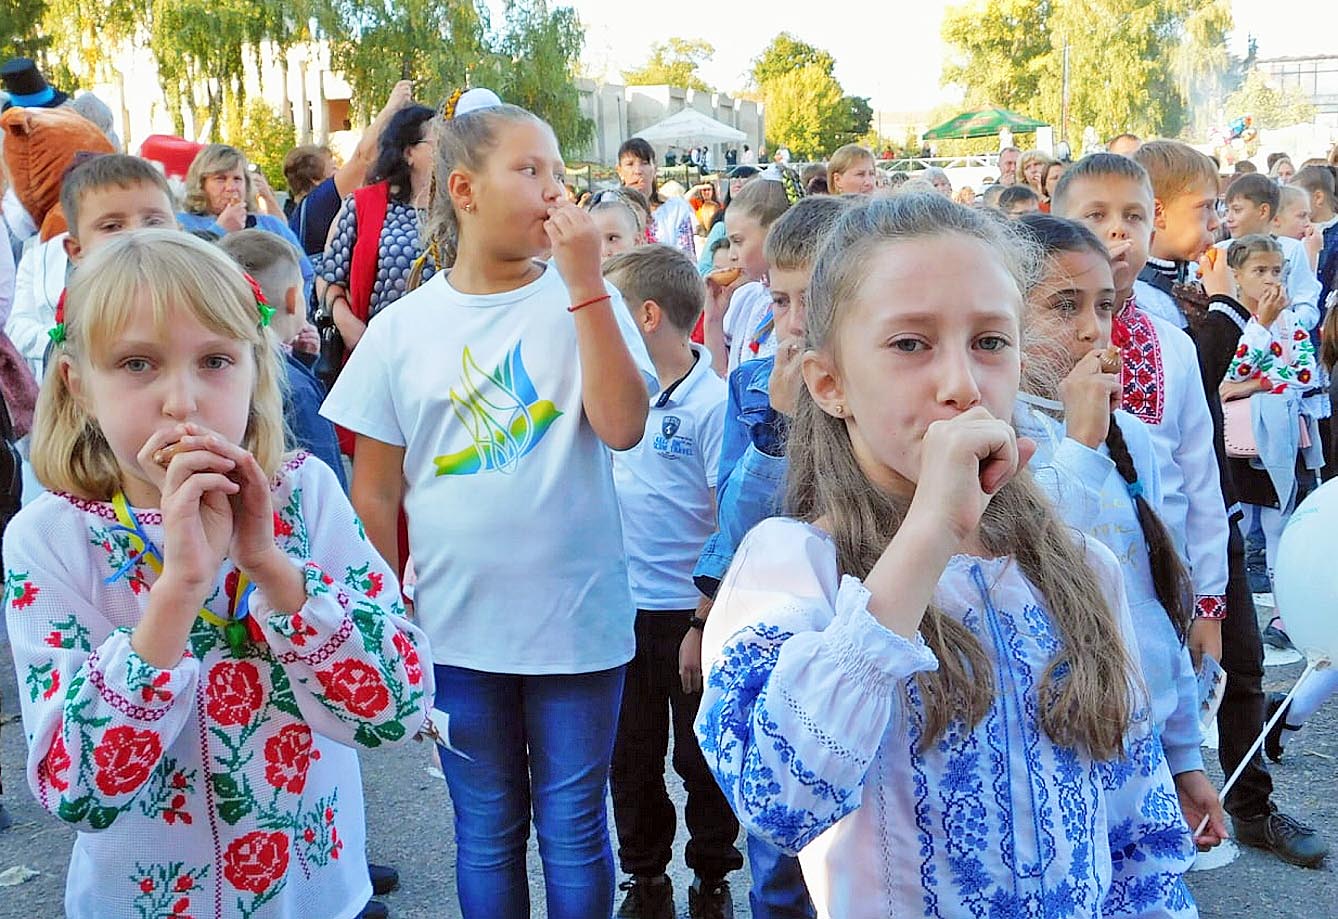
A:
<point x="26" y="86"/>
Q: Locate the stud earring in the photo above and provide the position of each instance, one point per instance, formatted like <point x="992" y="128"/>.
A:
<point x="840" y="410"/>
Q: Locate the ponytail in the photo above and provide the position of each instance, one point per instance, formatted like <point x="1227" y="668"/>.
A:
<point x="1169" y="577"/>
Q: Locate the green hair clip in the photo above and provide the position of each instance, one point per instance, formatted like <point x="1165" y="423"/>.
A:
<point x="57" y="332"/>
<point x="266" y="311"/>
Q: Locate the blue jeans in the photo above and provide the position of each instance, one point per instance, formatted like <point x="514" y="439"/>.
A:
<point x="530" y="742"/>
<point x="779" y="891"/>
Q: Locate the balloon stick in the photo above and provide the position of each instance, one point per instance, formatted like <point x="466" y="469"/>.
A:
<point x="1311" y="667"/>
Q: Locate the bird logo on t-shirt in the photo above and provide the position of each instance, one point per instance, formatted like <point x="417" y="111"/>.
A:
<point x="503" y="414"/>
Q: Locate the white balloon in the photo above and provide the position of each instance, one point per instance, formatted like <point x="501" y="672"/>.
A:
<point x="1306" y="580"/>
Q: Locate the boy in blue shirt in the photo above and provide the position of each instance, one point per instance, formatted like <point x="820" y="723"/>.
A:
<point x="750" y="485"/>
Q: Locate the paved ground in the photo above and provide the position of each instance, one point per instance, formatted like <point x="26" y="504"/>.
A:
<point x="409" y="819"/>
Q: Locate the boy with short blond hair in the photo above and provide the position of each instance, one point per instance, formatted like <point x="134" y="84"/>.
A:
<point x="276" y="266"/>
<point x="666" y="495"/>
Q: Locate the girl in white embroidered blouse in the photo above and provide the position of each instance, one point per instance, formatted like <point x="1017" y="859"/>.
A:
<point x="204" y="631"/>
<point x="922" y="680"/>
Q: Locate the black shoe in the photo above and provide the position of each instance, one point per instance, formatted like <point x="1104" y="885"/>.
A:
<point x="5" y="821"/>
<point x="374" y="909"/>
<point x="710" y="900"/>
<point x="384" y="879"/>
<point x="1273" y="742"/>
<point x="1288" y="839"/>
<point x="647" y="898"/>
<point x="1274" y="637"/>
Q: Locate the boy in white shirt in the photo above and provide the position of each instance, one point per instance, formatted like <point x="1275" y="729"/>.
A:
<point x="666" y="492"/>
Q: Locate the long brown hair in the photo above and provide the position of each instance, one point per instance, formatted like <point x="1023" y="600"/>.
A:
<point x="1085" y="693"/>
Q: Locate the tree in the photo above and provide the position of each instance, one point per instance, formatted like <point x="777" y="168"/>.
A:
<point x="857" y="117"/>
<point x="1204" y="68"/>
<point x="1000" y="47"/>
<point x="674" y="63"/>
<point x="438" y="44"/>
<point x="785" y="55"/>
<point x="540" y="50"/>
<point x="262" y="133"/>
<point x="1270" y="108"/>
<point x="804" y="112"/>
<point x="18" y="38"/>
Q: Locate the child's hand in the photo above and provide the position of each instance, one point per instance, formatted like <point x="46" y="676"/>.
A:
<point x="1229" y="392"/>
<point x="718" y="296"/>
<point x="195" y="491"/>
<point x="576" y="246"/>
<point x="1271" y="304"/>
<point x="1199" y="802"/>
<point x="1089" y="395"/>
<point x="308" y="340"/>
<point x="964" y="461"/>
<point x="787" y="376"/>
<point x="1217" y="276"/>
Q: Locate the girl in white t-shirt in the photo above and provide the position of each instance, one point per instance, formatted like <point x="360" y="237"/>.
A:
<point x="487" y="400"/>
<point x="923" y="682"/>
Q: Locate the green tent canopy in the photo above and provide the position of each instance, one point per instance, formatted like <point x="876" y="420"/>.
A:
<point x="984" y="122"/>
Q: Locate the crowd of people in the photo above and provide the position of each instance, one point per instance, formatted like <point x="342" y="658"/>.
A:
<point x="905" y="516"/>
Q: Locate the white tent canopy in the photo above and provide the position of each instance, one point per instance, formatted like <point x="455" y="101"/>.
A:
<point x="690" y="128"/>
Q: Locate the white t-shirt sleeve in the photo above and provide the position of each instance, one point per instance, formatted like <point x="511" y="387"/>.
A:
<point x="363" y="398"/>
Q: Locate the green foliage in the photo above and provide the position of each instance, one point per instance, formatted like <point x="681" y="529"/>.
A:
<point x="1000" y="46"/>
<point x="18" y="38"/>
<point x="439" y="44"/>
<point x="1146" y="66"/>
<point x="858" y="116"/>
<point x="539" y="51"/>
<point x="674" y="63"/>
<point x="804" y="112"/>
<point x="785" y="55"/>
<point x="265" y="136"/>
<point x="1271" y="108"/>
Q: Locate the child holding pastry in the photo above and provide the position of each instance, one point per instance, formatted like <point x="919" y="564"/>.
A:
<point x="198" y="673"/>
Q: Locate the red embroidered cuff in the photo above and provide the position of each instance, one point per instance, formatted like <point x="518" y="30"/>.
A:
<point x="1210" y="608"/>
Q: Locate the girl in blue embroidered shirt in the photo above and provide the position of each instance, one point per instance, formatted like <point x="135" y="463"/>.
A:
<point x="922" y="683"/>
<point x="1098" y="468"/>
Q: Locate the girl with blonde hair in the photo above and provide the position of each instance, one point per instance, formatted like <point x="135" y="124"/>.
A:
<point x="921" y="681"/>
<point x="204" y="630"/>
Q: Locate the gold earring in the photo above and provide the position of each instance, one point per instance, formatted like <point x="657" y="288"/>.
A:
<point x="840" y="410"/>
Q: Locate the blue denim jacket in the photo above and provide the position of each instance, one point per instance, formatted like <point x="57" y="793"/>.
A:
<point x="751" y="480"/>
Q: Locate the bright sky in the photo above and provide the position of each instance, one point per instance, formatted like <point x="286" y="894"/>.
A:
<point x="894" y="55"/>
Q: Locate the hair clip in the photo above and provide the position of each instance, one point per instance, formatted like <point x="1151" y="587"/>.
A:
<point x="448" y="107"/>
<point x="266" y="311"/>
<point x="57" y="332"/>
<point x="1135" y="489"/>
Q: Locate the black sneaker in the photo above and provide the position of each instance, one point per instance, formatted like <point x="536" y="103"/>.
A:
<point x="1288" y="839"/>
<point x="1274" y="637"/>
<point x="384" y="879"/>
<point x="1273" y="742"/>
<point x="374" y="909"/>
<point x="710" y="900"/>
<point x="647" y="898"/>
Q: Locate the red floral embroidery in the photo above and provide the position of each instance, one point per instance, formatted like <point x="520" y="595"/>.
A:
<point x="1303" y="376"/>
<point x="125" y="757"/>
<point x="356" y="686"/>
<point x="375" y="584"/>
<point x="255" y="861"/>
<point x="1144" y="389"/>
<point x="282" y="527"/>
<point x="155" y="689"/>
<point x="183" y="884"/>
<point x="287" y="758"/>
<point x="146" y="885"/>
<point x="1244" y="369"/>
<point x="1242" y="350"/>
<point x="27" y="595"/>
<point x="234" y="694"/>
<point x="1299" y="335"/>
<point x="1276" y="349"/>
<point x="413" y="668"/>
<point x="57" y="762"/>
<point x="53" y="686"/>
<point x="53" y="640"/>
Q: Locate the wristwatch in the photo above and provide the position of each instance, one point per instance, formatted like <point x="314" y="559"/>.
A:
<point x="697" y="622"/>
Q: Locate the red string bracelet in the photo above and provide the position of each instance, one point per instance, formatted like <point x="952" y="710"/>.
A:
<point x="591" y="302"/>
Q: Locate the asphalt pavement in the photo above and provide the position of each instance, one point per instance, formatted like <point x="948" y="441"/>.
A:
<point x="410" y="827"/>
